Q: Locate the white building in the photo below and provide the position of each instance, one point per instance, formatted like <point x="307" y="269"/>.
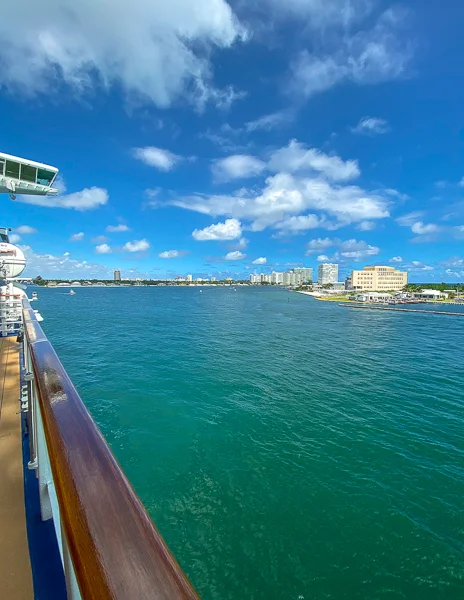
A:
<point x="431" y="295"/>
<point x="306" y="273"/>
<point x="277" y="278"/>
<point x="189" y="278"/>
<point x="327" y="273"/>
<point x="373" y="297"/>
<point x="295" y="278"/>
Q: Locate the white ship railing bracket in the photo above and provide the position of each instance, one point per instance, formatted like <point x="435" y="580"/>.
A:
<point x="109" y="547"/>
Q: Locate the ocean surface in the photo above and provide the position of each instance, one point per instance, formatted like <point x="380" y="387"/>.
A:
<point x="286" y="448"/>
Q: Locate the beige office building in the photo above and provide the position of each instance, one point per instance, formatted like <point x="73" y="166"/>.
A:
<point x="379" y="279"/>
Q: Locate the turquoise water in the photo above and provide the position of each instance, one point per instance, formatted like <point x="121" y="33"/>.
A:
<point x="286" y="448"/>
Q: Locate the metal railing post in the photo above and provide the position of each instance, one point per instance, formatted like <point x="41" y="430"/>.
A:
<point x="44" y="469"/>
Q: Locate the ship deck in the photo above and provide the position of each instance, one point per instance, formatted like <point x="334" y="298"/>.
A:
<point x="15" y="568"/>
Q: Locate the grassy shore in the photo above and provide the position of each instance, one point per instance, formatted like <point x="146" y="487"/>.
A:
<point x="334" y="298"/>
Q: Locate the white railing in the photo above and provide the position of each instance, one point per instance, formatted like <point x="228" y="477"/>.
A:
<point x="10" y="313"/>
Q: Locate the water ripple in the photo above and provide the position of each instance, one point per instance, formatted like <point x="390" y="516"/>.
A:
<point x="286" y="448"/>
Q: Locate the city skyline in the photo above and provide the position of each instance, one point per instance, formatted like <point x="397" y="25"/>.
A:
<point x="174" y="158"/>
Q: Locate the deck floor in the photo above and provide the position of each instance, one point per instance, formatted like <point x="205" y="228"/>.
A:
<point x="15" y="568"/>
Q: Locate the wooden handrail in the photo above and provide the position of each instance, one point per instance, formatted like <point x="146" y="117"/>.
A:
<point x="116" y="550"/>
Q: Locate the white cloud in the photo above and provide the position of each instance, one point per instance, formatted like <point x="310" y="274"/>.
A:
<point x="349" y="249"/>
<point x="371" y="126"/>
<point x="367" y="57"/>
<point x="396" y="259"/>
<point x="409" y="219"/>
<point x="396" y="194"/>
<point x="270" y="121"/>
<point x="103" y="249"/>
<point x="237" y="166"/>
<point x="60" y="184"/>
<point x="171" y="254"/>
<point x="357" y="250"/>
<point x="297" y="157"/>
<point x="318" y="14"/>
<point x="56" y="267"/>
<point x="322" y="258"/>
<point x="422" y="228"/>
<point x="117" y="228"/>
<point x="235" y="255"/>
<point x="293" y="158"/>
<point x="461" y="183"/>
<point x="454" y="267"/>
<point x="366" y="226"/>
<point x="136" y="246"/>
<point x="157" y="157"/>
<point x="100" y="239"/>
<point x="260" y="261"/>
<point x="86" y="199"/>
<point x="231" y="229"/>
<point x="299" y="224"/>
<point x="155" y="52"/>
<point x="14" y="238"/>
<point x="77" y="237"/>
<point x="314" y="246"/>
<point x="418" y="265"/>
<point x="25" y="230"/>
<point x="242" y="243"/>
<point x="285" y="195"/>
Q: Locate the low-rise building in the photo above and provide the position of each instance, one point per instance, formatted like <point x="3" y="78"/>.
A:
<point x="373" y="297"/>
<point x="431" y="295"/>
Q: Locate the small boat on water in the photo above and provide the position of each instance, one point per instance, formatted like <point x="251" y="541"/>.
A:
<point x="72" y="293"/>
<point x="34" y="296"/>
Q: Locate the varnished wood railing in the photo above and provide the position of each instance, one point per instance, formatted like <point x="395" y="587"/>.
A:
<point x="109" y="545"/>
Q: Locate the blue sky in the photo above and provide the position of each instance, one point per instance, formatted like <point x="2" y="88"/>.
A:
<point x="214" y="139"/>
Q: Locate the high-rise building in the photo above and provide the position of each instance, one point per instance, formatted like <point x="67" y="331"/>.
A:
<point x="379" y="279"/>
<point x="306" y="273"/>
<point x="117" y="275"/>
<point x="213" y="278"/>
<point x="189" y="278"/>
<point x="327" y="273"/>
<point x="286" y="280"/>
<point x="276" y="278"/>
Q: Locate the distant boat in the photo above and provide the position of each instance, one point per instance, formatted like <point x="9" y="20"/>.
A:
<point x="34" y="296"/>
<point x="72" y="292"/>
